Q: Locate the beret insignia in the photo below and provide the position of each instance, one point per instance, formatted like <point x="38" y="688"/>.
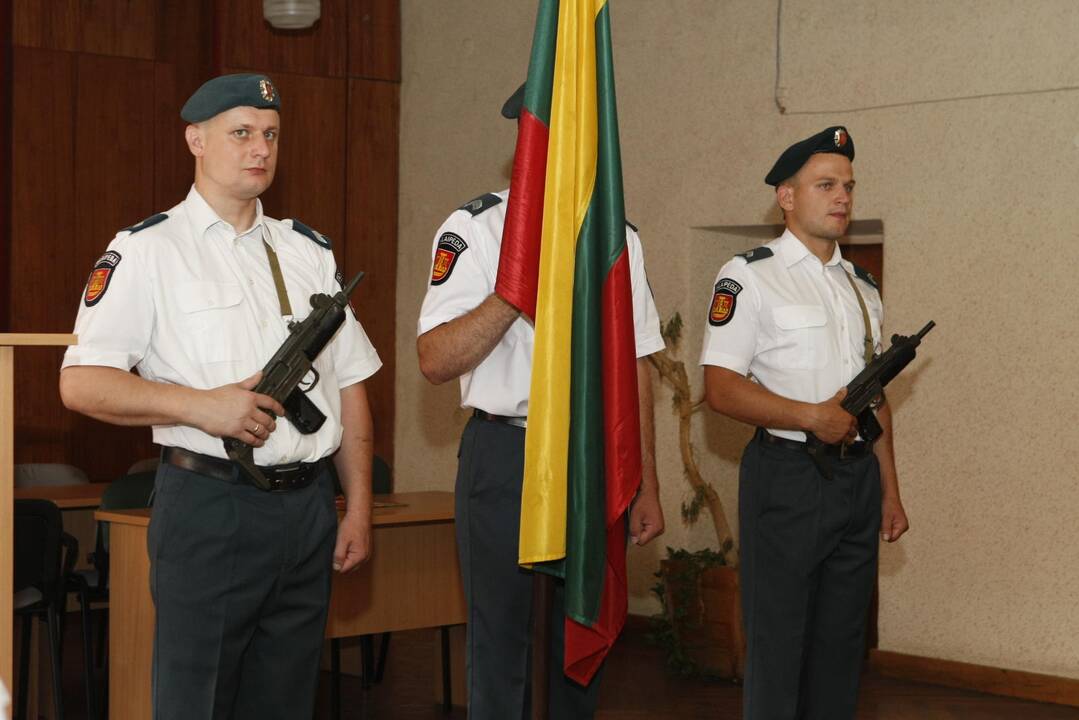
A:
<point x="100" y="276"/>
<point x="266" y="90"/>
<point x="723" y="302"/>
<point x="450" y="246"/>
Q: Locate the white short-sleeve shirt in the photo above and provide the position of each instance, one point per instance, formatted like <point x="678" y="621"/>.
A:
<point x="188" y="301"/>
<point x="791" y="322"/>
<point x="464" y="268"/>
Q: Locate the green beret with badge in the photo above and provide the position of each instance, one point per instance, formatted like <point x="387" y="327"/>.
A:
<point x="835" y="140"/>
<point x="228" y="91"/>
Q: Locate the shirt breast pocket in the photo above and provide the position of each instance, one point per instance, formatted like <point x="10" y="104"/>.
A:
<point x="802" y="336"/>
<point x="213" y="318"/>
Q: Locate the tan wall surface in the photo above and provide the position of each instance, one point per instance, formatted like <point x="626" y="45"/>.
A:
<point x="977" y="201"/>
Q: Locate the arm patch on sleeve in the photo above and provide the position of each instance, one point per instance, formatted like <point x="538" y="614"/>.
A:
<point x="100" y="276"/>
<point x="724" y="301"/>
<point x="314" y="235"/>
<point x="450" y="246"/>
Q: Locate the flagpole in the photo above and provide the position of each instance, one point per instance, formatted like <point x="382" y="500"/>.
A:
<point x="542" y="599"/>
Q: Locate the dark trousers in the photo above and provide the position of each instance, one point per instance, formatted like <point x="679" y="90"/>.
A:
<point x="808" y="565"/>
<point x="497" y="591"/>
<point x="241" y="583"/>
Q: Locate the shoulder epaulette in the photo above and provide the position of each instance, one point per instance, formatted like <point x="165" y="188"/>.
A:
<point x="866" y="276"/>
<point x="148" y="222"/>
<point x="315" y="235"/>
<point x="631" y="226"/>
<point x="483" y="202"/>
<point x="757" y="253"/>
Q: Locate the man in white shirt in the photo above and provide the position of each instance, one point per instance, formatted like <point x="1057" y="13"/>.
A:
<point x="198" y="299"/>
<point x="467" y="331"/>
<point x="801" y="322"/>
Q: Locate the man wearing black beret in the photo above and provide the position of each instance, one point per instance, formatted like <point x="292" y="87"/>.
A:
<point x="198" y="299"/>
<point x="789" y="325"/>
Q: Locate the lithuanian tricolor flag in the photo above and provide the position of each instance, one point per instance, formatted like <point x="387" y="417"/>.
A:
<point x="564" y="263"/>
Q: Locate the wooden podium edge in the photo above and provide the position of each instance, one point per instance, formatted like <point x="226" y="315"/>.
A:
<point x="8" y="343"/>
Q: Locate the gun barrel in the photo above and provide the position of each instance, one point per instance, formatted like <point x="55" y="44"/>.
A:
<point x="925" y="331"/>
<point x="353" y="283"/>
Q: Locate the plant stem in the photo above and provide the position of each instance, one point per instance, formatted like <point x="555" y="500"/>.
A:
<point x="674" y="373"/>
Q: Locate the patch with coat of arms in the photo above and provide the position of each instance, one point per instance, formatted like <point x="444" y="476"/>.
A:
<point x="724" y="301"/>
<point x="449" y="249"/>
<point x="100" y="276"/>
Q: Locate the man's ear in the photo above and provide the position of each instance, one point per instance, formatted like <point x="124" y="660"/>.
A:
<point x="785" y="197"/>
<point x="193" y="135"/>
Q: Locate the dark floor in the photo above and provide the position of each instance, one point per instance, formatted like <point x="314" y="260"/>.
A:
<point x="635" y="686"/>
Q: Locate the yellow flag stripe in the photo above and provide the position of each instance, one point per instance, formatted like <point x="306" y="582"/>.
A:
<point x="571" y="173"/>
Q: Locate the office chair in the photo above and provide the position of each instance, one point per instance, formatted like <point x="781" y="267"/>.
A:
<point x="40" y="474"/>
<point x="44" y="555"/>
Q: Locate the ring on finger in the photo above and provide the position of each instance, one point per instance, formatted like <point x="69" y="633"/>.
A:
<point x="258" y="426"/>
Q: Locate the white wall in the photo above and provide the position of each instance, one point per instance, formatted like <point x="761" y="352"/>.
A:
<point x="977" y="200"/>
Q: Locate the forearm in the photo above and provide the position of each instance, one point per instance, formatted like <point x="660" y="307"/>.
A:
<point x="122" y="398"/>
<point x="737" y="397"/>
<point x="353" y="459"/>
<point x="649" y="479"/>
<point x="454" y="348"/>
<point x="885" y="452"/>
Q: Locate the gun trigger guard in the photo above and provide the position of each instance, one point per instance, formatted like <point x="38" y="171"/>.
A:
<point x="308" y="387"/>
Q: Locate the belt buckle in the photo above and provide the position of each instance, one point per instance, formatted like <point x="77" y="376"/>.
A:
<point x="843" y="451"/>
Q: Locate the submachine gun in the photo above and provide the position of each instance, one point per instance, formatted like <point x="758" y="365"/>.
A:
<point x="289" y="366"/>
<point x="865" y="388"/>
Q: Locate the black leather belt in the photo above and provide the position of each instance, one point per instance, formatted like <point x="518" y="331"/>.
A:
<point x="520" y="422"/>
<point x="839" y="452"/>
<point x="282" y="478"/>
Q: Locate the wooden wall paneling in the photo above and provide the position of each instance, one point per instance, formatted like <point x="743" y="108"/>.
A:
<point x="374" y="39"/>
<point x="52" y="25"/>
<point x="114" y="152"/>
<point x="43" y="292"/>
<point x="184" y="63"/>
<point x="43" y="191"/>
<point x="114" y="188"/>
<point x="249" y="42"/>
<point x="174" y="166"/>
<point x="310" y="181"/>
<point x="183" y="32"/>
<point x="371" y="245"/>
<point x="122" y="28"/>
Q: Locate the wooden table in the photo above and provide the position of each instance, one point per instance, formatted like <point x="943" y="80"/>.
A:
<point x="412" y="580"/>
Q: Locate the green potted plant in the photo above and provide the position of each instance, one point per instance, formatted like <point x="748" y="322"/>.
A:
<point x="701" y="621"/>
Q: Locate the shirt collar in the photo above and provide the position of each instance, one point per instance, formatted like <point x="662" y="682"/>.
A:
<point x="203" y="217"/>
<point x="793" y="250"/>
